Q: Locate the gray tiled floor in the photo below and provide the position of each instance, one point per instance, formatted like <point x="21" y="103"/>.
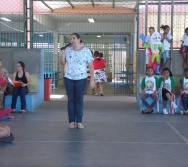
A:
<point x="115" y="135"/>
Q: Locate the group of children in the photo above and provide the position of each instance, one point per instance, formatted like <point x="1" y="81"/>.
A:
<point x="162" y="89"/>
<point x="166" y="40"/>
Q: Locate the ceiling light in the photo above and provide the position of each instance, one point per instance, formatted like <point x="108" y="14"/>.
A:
<point x="5" y="19"/>
<point x="98" y="36"/>
<point x="91" y="20"/>
<point x="41" y="35"/>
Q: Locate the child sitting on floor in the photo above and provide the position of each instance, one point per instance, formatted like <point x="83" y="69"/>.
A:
<point x="184" y="92"/>
<point x="149" y="87"/>
<point x="167" y="85"/>
<point x="5" y="135"/>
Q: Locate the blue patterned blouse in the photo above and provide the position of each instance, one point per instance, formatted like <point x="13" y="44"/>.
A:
<point x="76" y="63"/>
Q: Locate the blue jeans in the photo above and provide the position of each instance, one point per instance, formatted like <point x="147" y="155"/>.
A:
<point x="185" y="102"/>
<point x="75" y="93"/>
<point x="144" y="100"/>
<point x="22" y="91"/>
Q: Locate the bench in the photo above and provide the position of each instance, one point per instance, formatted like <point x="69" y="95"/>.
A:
<point x="31" y="102"/>
<point x="10" y="58"/>
<point x="149" y="100"/>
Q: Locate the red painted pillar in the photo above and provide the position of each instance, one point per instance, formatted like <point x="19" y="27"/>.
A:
<point x="47" y="83"/>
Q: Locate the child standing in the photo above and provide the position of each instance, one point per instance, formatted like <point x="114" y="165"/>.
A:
<point x="148" y="40"/>
<point x="184" y="46"/>
<point x="99" y="73"/>
<point x="149" y="87"/>
<point x="184" y="88"/>
<point x="167" y="85"/>
<point x="166" y="39"/>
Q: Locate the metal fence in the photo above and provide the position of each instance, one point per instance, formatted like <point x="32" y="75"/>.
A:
<point x="47" y="24"/>
<point x="154" y="14"/>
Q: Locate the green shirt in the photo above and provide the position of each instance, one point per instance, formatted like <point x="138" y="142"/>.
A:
<point x="173" y="84"/>
<point x="143" y="83"/>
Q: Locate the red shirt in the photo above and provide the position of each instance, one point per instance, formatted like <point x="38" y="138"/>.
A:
<point x="98" y="64"/>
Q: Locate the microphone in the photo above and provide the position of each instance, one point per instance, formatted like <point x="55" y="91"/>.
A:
<point x="64" y="47"/>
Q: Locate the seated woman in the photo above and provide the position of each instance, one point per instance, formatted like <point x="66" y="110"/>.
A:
<point x="22" y="76"/>
<point x="5" y="135"/>
<point x="3" y="83"/>
<point x="4" y="114"/>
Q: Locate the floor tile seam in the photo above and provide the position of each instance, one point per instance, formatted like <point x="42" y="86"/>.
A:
<point x="97" y="100"/>
<point x="97" y="121"/>
<point x="102" y="142"/>
<point x="178" y="133"/>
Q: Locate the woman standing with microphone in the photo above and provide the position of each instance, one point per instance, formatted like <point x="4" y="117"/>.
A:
<point x="76" y="57"/>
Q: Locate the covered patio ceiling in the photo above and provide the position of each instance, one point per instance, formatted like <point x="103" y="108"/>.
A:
<point x="55" y="4"/>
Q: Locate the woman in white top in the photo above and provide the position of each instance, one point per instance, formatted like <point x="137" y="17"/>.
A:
<point x="184" y="50"/>
<point x="166" y="39"/>
<point x="76" y="57"/>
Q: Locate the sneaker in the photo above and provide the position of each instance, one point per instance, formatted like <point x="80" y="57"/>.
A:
<point x="182" y="112"/>
<point x="72" y="125"/>
<point x="165" y="112"/>
<point x="96" y="94"/>
<point x="8" y="139"/>
<point x="80" y="126"/>
<point x="101" y="94"/>
<point x="174" y="105"/>
<point x="10" y="116"/>
<point x="186" y="112"/>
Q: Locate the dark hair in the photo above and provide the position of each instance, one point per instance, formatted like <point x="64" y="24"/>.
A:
<point x="150" y="68"/>
<point x="101" y="54"/>
<point x="152" y="28"/>
<point x="167" y="69"/>
<point x="97" y="55"/>
<point x="91" y="52"/>
<point x="77" y="36"/>
<point x="186" y="29"/>
<point x="22" y="64"/>
<point x="164" y="27"/>
<point x="186" y="69"/>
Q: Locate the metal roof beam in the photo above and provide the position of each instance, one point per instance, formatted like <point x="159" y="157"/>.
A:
<point x="92" y="3"/>
<point x="113" y="5"/>
<point x="70" y="3"/>
<point x="47" y="5"/>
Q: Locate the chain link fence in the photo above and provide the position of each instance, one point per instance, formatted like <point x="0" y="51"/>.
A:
<point x="55" y="20"/>
<point x="171" y="13"/>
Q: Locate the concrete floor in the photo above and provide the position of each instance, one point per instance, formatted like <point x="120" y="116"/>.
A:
<point x="115" y="135"/>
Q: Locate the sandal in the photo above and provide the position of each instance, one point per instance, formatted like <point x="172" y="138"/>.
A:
<point x="72" y="125"/>
<point x="22" y="111"/>
<point x="149" y="112"/>
<point x="80" y="126"/>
